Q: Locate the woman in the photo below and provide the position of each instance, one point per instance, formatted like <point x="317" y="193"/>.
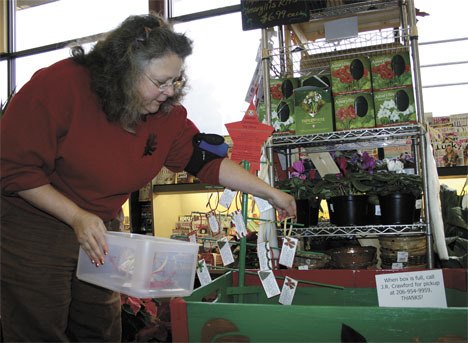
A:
<point x="77" y="139"/>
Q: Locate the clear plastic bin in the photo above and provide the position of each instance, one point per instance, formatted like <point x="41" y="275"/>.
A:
<point x="143" y="266"/>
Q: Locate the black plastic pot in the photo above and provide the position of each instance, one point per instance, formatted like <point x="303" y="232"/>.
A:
<point x="307" y="212"/>
<point x="348" y="210"/>
<point x="397" y="208"/>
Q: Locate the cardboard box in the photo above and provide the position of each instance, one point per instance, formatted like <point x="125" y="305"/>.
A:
<point x="391" y="71"/>
<point x="282" y="104"/>
<point x="351" y="76"/>
<point x="143" y="266"/>
<point x="313" y="111"/>
<point x="354" y="111"/>
<point x="394" y="107"/>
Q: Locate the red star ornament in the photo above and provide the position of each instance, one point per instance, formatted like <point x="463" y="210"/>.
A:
<point x="248" y="137"/>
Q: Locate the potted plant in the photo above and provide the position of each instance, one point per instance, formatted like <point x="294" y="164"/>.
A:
<point x="300" y="185"/>
<point x="346" y="192"/>
<point x="145" y="320"/>
<point x="398" y="195"/>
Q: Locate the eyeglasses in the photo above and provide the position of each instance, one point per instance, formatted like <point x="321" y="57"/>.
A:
<point x="177" y="84"/>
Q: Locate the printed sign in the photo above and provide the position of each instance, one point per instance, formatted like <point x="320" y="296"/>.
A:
<point x="413" y="289"/>
<point x="268" y="13"/>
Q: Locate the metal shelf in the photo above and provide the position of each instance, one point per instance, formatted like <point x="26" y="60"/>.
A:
<point x="356" y="8"/>
<point x="327" y="229"/>
<point x="327" y="139"/>
<point x="313" y="58"/>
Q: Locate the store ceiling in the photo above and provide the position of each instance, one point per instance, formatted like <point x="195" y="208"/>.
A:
<point x="22" y="4"/>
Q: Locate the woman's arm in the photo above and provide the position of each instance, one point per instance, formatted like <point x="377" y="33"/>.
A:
<point x="233" y="176"/>
<point x="89" y="228"/>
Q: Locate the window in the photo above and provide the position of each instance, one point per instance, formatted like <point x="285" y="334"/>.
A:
<point x="219" y="70"/>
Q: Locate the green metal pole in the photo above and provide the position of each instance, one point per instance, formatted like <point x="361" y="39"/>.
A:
<point x="243" y="240"/>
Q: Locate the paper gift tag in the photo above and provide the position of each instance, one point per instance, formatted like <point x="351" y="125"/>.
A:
<point x="227" y="197"/>
<point x="269" y="283"/>
<point x="192" y="235"/>
<point x="225" y="251"/>
<point x="238" y="220"/>
<point x="264" y="256"/>
<point x="262" y="204"/>
<point x="288" y="251"/>
<point x="213" y="222"/>
<point x="402" y="256"/>
<point x="203" y="273"/>
<point x="288" y="290"/>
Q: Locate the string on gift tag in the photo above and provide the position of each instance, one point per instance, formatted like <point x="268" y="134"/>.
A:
<point x="285" y="224"/>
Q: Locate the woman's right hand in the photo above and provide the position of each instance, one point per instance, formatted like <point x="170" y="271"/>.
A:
<point x="90" y="232"/>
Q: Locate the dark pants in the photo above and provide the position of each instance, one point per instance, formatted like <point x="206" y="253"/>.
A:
<point x="41" y="298"/>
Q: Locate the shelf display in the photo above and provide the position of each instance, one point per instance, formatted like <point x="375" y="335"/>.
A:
<point x="376" y="104"/>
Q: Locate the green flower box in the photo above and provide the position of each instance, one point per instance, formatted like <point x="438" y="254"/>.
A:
<point x="394" y="107"/>
<point x="312" y="110"/>
<point x="391" y="71"/>
<point x="354" y="111"/>
<point x="351" y="75"/>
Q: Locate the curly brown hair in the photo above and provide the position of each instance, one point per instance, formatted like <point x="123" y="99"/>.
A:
<point x="117" y="61"/>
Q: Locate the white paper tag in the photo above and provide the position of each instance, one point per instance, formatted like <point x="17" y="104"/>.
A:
<point x="412" y="289"/>
<point x="207" y="245"/>
<point x="262" y="204"/>
<point x="418" y="204"/>
<point x="303" y="267"/>
<point x="264" y="256"/>
<point x="213" y="223"/>
<point x="377" y="210"/>
<point x="238" y="220"/>
<point x="225" y="251"/>
<point x="402" y="256"/>
<point x="288" y="251"/>
<point x="193" y="236"/>
<point x="397" y="265"/>
<point x="203" y="273"/>
<point x="288" y="290"/>
<point x="227" y="197"/>
<point x="269" y="283"/>
<point x="330" y="205"/>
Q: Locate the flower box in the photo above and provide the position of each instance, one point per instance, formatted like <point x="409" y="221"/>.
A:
<point x="394" y="107"/>
<point x="351" y="75"/>
<point x="354" y="111"/>
<point x="312" y="110"/>
<point x="391" y="71"/>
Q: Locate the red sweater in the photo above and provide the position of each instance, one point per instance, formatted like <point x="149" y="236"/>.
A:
<point x="55" y="131"/>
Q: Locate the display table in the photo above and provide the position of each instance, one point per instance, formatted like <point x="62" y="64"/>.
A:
<point x="222" y="311"/>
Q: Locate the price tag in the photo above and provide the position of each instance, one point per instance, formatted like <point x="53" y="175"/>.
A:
<point x="262" y="204"/>
<point x="288" y="290"/>
<point x="203" y="273"/>
<point x="192" y="236"/>
<point x="213" y="222"/>
<point x="269" y="283"/>
<point x="412" y="289"/>
<point x="227" y="197"/>
<point x="238" y="220"/>
<point x="396" y="265"/>
<point x="377" y="210"/>
<point x="402" y="256"/>
<point x="288" y="251"/>
<point x="418" y="204"/>
<point x="225" y="251"/>
<point x="264" y="256"/>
